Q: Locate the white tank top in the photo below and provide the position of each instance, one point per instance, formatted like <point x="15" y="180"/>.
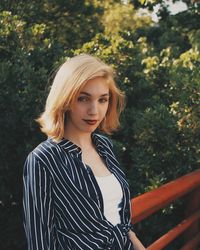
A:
<point x="112" y="196"/>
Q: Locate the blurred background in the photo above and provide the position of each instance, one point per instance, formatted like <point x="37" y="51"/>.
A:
<point x="154" y="47"/>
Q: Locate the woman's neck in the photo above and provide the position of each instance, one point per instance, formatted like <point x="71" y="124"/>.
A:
<point x="82" y="140"/>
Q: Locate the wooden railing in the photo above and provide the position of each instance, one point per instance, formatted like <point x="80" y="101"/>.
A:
<point x="148" y="203"/>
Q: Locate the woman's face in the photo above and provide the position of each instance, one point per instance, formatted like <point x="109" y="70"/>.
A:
<point x="90" y="107"/>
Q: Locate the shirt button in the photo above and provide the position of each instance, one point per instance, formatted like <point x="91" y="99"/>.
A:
<point x="88" y="170"/>
<point x="108" y="243"/>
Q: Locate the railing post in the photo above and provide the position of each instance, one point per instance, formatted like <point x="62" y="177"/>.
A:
<point x="192" y="204"/>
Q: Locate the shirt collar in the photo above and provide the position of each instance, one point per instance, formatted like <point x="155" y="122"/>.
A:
<point x="71" y="147"/>
<point x="99" y="142"/>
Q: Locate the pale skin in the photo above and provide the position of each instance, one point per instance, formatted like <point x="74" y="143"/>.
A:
<point x="85" y="115"/>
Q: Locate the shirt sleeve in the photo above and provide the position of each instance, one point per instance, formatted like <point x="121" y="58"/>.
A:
<point x="37" y="206"/>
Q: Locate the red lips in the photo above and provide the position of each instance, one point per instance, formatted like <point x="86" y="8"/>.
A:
<point x="90" y="122"/>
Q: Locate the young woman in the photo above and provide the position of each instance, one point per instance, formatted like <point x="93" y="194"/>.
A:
<point x="75" y="195"/>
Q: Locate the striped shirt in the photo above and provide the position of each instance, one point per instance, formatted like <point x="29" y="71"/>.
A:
<point x="63" y="204"/>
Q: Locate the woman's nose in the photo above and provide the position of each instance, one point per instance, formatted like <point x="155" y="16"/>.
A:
<point x="93" y="108"/>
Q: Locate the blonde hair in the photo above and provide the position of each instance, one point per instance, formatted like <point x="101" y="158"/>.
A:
<point x="69" y="79"/>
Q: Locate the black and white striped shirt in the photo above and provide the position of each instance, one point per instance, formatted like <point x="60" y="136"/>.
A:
<point x="63" y="204"/>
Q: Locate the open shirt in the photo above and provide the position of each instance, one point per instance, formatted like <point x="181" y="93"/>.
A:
<point x="63" y="204"/>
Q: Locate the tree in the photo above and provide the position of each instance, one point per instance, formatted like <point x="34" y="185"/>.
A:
<point x="33" y="37"/>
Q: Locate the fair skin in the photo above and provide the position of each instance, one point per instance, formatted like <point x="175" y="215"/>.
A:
<point x="85" y="115"/>
<point x="136" y="242"/>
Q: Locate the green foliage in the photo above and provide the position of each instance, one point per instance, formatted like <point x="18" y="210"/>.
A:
<point x="159" y="139"/>
<point x="157" y="67"/>
<point x="123" y="17"/>
<point x="31" y="42"/>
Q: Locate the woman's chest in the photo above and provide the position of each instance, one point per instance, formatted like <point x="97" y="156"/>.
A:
<point x="97" y="163"/>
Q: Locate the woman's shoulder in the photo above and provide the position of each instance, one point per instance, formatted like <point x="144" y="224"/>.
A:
<point x="44" y="151"/>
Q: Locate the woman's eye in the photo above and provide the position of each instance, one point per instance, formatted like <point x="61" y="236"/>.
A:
<point x="102" y="100"/>
<point x="82" y="99"/>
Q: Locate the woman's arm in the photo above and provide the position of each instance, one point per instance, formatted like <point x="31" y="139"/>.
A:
<point x="136" y="243"/>
<point x="37" y="205"/>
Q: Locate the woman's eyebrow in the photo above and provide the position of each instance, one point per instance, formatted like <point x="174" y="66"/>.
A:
<point x="88" y="94"/>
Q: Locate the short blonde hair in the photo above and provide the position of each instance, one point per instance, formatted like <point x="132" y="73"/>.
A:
<point x="68" y="81"/>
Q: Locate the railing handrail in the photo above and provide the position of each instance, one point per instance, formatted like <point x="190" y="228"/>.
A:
<point x="174" y="233"/>
<point x="150" y="202"/>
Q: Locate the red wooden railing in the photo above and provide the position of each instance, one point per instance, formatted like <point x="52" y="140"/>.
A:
<point x="148" y="203"/>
